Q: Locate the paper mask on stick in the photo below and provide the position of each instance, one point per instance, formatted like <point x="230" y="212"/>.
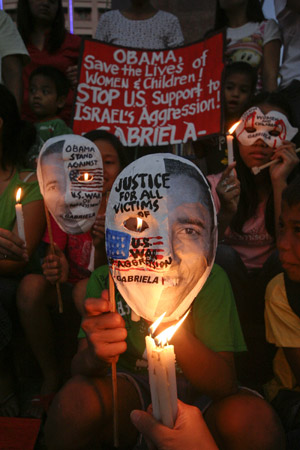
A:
<point x="161" y="235"/>
<point x="70" y="175"/>
<point x="272" y="128"/>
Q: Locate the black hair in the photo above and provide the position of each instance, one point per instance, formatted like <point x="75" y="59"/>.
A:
<point x="254" y="13"/>
<point x="291" y="194"/>
<point x="61" y="82"/>
<point x="244" y="68"/>
<point x="25" y="23"/>
<point x="249" y="200"/>
<point x="17" y="135"/>
<point x="94" y="135"/>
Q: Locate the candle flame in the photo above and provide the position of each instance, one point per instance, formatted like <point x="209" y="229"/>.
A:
<point x="155" y="324"/>
<point x="139" y="224"/>
<point x="234" y="126"/>
<point x="165" y="336"/>
<point x="84" y="177"/>
<point x="18" y="195"/>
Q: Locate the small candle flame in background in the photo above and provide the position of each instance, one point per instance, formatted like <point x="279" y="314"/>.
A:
<point x="139" y="224"/>
<point x="165" y="336"/>
<point x="234" y="126"/>
<point x="85" y="177"/>
<point x="18" y="195"/>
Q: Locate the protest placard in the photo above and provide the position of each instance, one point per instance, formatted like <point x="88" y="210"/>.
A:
<point x="150" y="97"/>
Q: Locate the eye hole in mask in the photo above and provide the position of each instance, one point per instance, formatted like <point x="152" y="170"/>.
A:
<point x="274" y="133"/>
<point x="250" y="129"/>
<point x="135" y="224"/>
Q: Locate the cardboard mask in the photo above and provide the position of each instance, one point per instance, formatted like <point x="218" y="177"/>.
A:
<point x="161" y="261"/>
<point x="64" y="163"/>
<point x="272" y="128"/>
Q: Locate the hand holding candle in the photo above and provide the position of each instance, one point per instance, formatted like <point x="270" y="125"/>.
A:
<point x="19" y="215"/>
<point x="162" y="374"/>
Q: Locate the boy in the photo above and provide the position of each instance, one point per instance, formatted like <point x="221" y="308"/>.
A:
<point x="239" y="83"/>
<point x="282" y="309"/>
<point x="180" y="225"/>
<point x="48" y="90"/>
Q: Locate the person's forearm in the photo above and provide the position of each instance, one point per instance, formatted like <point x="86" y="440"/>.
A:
<point x="207" y="370"/>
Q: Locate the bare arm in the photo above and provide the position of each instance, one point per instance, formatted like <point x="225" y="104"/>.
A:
<point x="12" y="76"/>
<point x="271" y="57"/>
<point x="203" y="366"/>
<point x="293" y="358"/>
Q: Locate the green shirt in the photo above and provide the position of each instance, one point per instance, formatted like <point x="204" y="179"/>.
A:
<point x="214" y="318"/>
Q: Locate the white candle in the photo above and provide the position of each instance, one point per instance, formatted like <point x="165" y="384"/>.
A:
<point x="19" y="215"/>
<point x="229" y="141"/>
<point x="162" y="374"/>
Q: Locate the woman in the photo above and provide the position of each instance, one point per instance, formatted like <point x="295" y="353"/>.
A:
<point x="41" y="24"/>
<point x="251" y="38"/>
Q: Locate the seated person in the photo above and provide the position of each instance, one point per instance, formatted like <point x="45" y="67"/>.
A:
<point x="179" y="227"/>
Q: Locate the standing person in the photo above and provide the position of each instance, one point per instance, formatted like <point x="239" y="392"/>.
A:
<point x="282" y="315"/>
<point x="248" y="208"/>
<point x="41" y="24"/>
<point x="251" y="38"/>
<point x="16" y="257"/>
<point x="288" y="16"/>
<point x="180" y="226"/>
<point x="13" y="56"/>
<point x="140" y="26"/>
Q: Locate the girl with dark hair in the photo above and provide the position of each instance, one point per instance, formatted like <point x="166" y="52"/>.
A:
<point x="16" y="256"/>
<point x="248" y="205"/>
<point x="42" y="26"/>
<point x="251" y="38"/>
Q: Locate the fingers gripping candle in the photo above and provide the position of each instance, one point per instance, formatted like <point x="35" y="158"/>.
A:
<point x="19" y="215"/>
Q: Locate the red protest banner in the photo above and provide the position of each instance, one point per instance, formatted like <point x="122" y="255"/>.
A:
<point x="150" y="97"/>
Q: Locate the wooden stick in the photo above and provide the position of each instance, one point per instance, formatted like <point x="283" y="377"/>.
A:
<point x="257" y="169"/>
<point x="111" y="291"/>
<point x="60" y="304"/>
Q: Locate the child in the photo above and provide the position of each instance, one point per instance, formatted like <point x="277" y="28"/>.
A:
<point x="48" y="91"/>
<point x="282" y="312"/>
<point x="248" y="208"/>
<point x="70" y="266"/>
<point x="239" y="81"/>
<point x="81" y="414"/>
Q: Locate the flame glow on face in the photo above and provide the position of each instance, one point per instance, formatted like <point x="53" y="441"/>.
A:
<point x="70" y="175"/>
<point x="272" y="128"/>
<point x="160" y="235"/>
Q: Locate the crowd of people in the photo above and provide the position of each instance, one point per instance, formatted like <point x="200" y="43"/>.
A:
<point x="245" y="320"/>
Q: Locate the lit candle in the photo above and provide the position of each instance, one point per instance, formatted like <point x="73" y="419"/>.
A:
<point x="19" y="215"/>
<point x="85" y="178"/>
<point x="162" y="373"/>
<point x="229" y="140"/>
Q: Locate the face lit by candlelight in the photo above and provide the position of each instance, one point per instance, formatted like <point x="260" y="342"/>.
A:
<point x="163" y="263"/>
<point x="70" y="178"/>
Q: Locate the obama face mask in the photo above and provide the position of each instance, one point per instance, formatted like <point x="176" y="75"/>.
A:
<point x="160" y="235"/>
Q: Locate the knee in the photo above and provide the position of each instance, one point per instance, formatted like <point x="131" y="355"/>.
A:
<point x="31" y="289"/>
<point x="249" y="422"/>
